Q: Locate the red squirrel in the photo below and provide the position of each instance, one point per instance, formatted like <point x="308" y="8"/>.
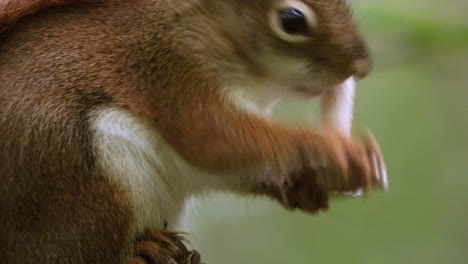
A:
<point x="115" y="113"/>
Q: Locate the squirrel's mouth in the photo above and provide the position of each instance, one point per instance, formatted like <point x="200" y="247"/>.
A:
<point x="309" y="92"/>
<point x="314" y="88"/>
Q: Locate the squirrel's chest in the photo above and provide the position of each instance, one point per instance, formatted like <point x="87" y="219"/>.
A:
<point x="131" y="153"/>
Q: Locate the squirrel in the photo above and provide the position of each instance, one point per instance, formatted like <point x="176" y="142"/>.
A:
<point x="115" y="113"/>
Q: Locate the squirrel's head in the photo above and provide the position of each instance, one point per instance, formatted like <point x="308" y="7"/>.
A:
<point x="284" y="47"/>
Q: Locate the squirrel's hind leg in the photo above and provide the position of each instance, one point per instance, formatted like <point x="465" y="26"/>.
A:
<point x="162" y="247"/>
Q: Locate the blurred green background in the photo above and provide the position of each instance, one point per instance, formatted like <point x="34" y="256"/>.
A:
<point x="416" y="102"/>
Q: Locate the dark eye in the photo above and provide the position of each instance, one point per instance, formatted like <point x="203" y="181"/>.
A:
<point x="293" y="22"/>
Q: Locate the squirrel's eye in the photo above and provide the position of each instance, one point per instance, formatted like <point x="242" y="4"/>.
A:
<point x="294" y="22"/>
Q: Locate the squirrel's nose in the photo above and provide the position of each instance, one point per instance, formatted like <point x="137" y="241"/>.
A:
<point x="360" y="68"/>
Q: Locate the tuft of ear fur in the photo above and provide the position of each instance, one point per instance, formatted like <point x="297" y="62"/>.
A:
<point x="11" y="11"/>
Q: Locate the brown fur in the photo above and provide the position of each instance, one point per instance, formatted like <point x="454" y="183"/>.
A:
<point x="168" y="65"/>
<point x="12" y="11"/>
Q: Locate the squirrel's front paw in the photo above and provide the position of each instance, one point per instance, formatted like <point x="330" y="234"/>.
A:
<point x="330" y="165"/>
<point x="342" y="165"/>
<point x="299" y="190"/>
<point x="161" y="247"/>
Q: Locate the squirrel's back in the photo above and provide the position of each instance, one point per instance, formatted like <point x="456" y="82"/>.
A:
<point x="61" y="61"/>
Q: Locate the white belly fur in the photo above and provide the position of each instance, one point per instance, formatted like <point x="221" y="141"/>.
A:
<point x="132" y="154"/>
